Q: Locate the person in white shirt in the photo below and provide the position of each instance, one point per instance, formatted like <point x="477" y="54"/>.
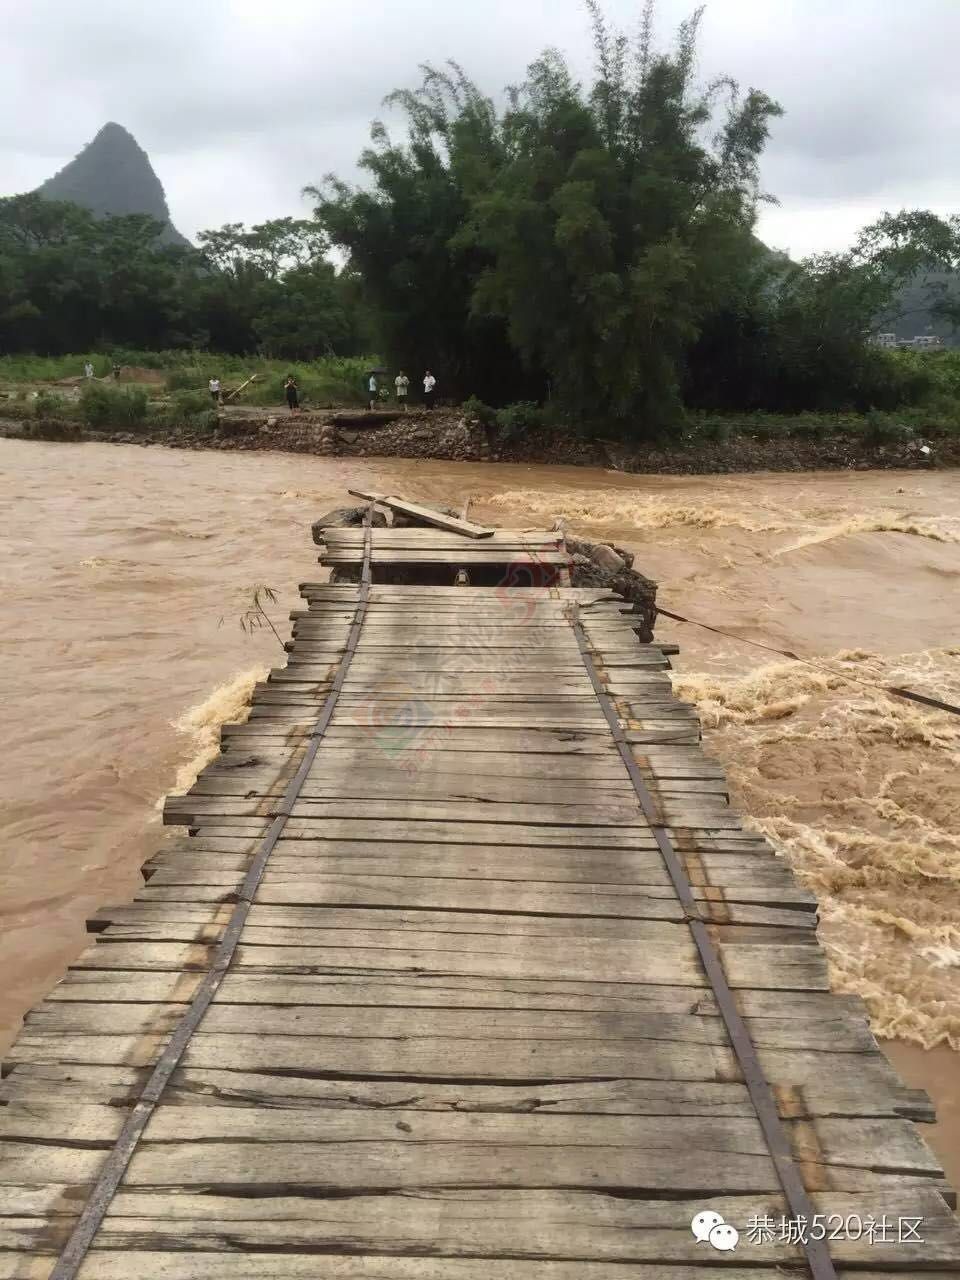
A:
<point x="429" y="389"/>
<point x="372" y="388"/>
<point x="88" y="370"/>
<point x="402" y="384"/>
<point x="214" y="385"/>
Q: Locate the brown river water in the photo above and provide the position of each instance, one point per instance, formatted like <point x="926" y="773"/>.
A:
<point x="125" y="571"/>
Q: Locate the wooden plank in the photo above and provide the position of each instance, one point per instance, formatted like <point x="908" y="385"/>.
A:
<point x="380" y="592"/>
<point x="495" y="556"/>
<point x="643" y="932"/>
<point x="520" y="1224"/>
<point x="391" y="783"/>
<point x="302" y="922"/>
<point x="371" y="766"/>
<point x="394" y="830"/>
<point x="340" y="759"/>
<point x="763" y="905"/>
<point x="572" y="900"/>
<point x="239" y="1148"/>
<point x="395" y="533"/>
<point x="312" y="863"/>
<point x="622" y="815"/>
<point x="782" y="966"/>
<point x="836" y="1034"/>
<point x="435" y="518"/>
<point x="849" y="1153"/>
<point x="107" y="1264"/>
<point x="402" y="991"/>
<point x="206" y="1087"/>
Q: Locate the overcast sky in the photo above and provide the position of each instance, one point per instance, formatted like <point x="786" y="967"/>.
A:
<point x="239" y="103"/>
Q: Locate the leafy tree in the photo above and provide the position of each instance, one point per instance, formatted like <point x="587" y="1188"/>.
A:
<point x="303" y="315"/>
<point x="595" y="244"/>
<point x="796" y="338"/>
<point x="417" y="275"/>
<point x="272" y="288"/>
<point x="597" y="226"/>
<point x="70" y="281"/>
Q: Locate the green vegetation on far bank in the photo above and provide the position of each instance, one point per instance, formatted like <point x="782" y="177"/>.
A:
<point x="581" y="256"/>
<point x="339" y="378"/>
<point x="178" y="401"/>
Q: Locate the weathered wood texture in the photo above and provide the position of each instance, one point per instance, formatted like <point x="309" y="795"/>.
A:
<point x="466" y="1034"/>
<point x="425" y="514"/>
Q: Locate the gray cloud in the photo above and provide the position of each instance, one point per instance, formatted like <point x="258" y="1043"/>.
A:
<point x="240" y="103"/>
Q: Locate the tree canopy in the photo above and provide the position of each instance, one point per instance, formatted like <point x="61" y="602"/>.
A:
<point x="593" y="244"/>
<point x="588" y="246"/>
<point x="591" y="230"/>
<point x="72" y="281"/>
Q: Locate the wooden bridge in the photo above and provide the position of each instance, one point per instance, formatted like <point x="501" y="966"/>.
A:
<point x="466" y="971"/>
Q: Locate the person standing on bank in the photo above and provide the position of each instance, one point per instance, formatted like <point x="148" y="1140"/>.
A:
<point x="402" y="384"/>
<point x="214" y="385"/>
<point x="429" y="389"/>
<point x="292" y="393"/>
<point x="88" y="370"/>
<point x="116" y="372"/>
<point x="372" y="388"/>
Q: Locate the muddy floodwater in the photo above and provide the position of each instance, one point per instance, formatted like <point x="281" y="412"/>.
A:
<point x="125" y="573"/>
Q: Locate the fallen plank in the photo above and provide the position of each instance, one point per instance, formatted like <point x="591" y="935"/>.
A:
<point x="425" y="514"/>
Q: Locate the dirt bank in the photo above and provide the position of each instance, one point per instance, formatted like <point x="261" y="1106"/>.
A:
<point x="448" y="437"/>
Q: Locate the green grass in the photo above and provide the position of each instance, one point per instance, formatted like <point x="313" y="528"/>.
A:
<point x="338" y="380"/>
<point x="106" y="406"/>
<point x="332" y="380"/>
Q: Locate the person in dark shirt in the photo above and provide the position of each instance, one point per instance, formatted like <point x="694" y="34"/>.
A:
<point x="292" y="393"/>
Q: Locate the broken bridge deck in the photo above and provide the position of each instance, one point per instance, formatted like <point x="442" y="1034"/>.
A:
<point x="466" y="1033"/>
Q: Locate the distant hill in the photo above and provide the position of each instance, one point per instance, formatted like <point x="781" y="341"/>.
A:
<point x="911" y="314"/>
<point x="113" y="175"/>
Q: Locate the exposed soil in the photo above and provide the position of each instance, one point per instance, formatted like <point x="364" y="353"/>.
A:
<point x="447" y="436"/>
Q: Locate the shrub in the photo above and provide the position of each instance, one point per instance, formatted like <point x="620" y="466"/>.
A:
<point x="519" y="419"/>
<point x="764" y="427"/>
<point x="49" y="405"/>
<point x="715" y="431"/>
<point x="811" y="426"/>
<point x="705" y="428"/>
<point x="883" y="428"/>
<point x="208" y="420"/>
<point x="476" y="411"/>
<point x="188" y="379"/>
<point x="103" y="406"/>
<point x="192" y="409"/>
<point x="188" y="404"/>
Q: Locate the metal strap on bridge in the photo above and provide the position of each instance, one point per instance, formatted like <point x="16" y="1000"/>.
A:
<point x="775" y="1135"/>
<point x="115" y="1165"/>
